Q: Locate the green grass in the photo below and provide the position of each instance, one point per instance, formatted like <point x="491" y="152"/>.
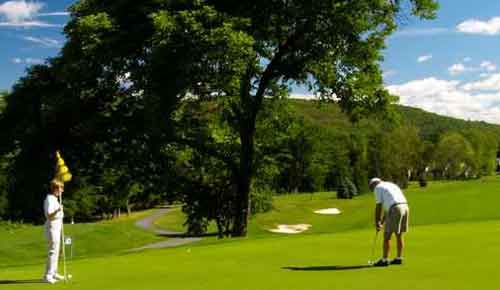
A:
<point x="440" y="202"/>
<point x="453" y="244"/>
<point x="439" y="257"/>
<point x="173" y="220"/>
<point x="27" y="245"/>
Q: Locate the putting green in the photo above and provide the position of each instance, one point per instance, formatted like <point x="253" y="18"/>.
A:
<point x="453" y="244"/>
<point x="455" y="256"/>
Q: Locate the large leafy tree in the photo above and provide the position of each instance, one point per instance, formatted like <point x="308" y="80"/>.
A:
<point x="485" y="148"/>
<point x="454" y="157"/>
<point x="251" y="49"/>
<point x="401" y="150"/>
<point x="138" y="61"/>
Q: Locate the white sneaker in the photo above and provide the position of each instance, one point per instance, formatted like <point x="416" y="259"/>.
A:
<point x="58" y="277"/>
<point x="50" y="280"/>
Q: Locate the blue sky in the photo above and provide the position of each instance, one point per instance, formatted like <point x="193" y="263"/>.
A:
<point x="29" y="33"/>
<point x="441" y="39"/>
<point x="447" y="65"/>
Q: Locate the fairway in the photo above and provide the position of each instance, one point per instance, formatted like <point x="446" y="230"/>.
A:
<point x="451" y="245"/>
<point x="439" y="257"/>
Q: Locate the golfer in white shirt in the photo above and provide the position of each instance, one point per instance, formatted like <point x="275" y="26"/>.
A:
<point x="390" y="199"/>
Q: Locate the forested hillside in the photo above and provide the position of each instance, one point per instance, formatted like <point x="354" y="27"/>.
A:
<point x="431" y="125"/>
<point x="406" y="143"/>
<point x="301" y="146"/>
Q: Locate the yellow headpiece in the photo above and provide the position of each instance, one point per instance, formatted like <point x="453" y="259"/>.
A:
<point x="62" y="171"/>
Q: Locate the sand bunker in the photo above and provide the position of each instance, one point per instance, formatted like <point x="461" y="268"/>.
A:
<point x="291" y="229"/>
<point x="328" y="211"/>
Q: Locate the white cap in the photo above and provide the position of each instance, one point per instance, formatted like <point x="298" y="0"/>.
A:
<point x="373" y="180"/>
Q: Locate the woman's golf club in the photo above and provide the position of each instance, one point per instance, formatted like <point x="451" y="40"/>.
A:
<point x="63" y="242"/>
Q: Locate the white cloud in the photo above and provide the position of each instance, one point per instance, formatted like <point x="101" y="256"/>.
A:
<point x="473" y="26"/>
<point x="449" y="98"/>
<point x="28" y="60"/>
<point x="424" y="58"/>
<point x="54" y="14"/>
<point x="490" y="83"/>
<point x="33" y="60"/>
<point x="488" y="66"/>
<point x="421" y="32"/>
<point x="20" y="13"/>
<point x="44" y="41"/>
<point x="389" y="73"/>
<point x="457" y="69"/>
<point x="28" y="24"/>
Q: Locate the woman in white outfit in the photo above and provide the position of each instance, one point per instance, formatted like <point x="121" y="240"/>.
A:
<point x="54" y="214"/>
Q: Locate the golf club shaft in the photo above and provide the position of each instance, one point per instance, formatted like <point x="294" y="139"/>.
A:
<point x="373" y="246"/>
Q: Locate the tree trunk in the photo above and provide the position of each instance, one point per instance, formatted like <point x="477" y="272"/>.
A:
<point x="244" y="179"/>
<point x="293" y="177"/>
<point x="129" y="208"/>
<point x="220" y="229"/>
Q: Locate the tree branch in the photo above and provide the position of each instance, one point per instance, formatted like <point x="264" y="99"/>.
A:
<point x="271" y="70"/>
<point x="210" y="149"/>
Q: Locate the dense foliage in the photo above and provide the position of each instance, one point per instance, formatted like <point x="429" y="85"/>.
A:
<point x="167" y="100"/>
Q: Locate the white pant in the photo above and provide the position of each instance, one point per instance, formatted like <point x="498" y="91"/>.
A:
<point x="53" y="234"/>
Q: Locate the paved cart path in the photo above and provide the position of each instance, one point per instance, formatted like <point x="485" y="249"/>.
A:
<point x="148" y="224"/>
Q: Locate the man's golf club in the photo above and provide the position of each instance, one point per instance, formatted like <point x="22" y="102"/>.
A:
<point x="372" y="259"/>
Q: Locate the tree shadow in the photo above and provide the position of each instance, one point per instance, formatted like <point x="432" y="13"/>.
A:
<point x="27" y="281"/>
<point x="184" y="235"/>
<point x="328" y="268"/>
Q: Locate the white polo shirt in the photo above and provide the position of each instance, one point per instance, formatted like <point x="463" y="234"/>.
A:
<point x="50" y="205"/>
<point x="388" y="193"/>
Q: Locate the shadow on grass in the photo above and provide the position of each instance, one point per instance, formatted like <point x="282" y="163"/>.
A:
<point x="28" y="281"/>
<point x="327" y="268"/>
